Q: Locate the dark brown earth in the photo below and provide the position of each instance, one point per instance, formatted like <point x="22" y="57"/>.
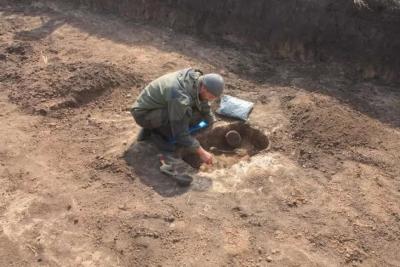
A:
<point x="317" y="186"/>
<point x="363" y="33"/>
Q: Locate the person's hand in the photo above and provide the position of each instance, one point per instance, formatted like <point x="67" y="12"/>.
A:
<point x="205" y="156"/>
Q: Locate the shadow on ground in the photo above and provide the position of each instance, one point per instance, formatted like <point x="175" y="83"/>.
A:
<point x="143" y="158"/>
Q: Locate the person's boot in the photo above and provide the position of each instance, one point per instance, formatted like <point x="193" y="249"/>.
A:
<point x="143" y="134"/>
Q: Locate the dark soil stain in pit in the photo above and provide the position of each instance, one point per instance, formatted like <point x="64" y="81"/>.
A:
<point x="216" y="141"/>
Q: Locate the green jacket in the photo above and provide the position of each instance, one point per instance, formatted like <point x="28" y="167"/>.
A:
<point x="178" y="93"/>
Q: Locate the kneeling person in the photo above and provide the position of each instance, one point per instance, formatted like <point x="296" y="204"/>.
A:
<point x="169" y="105"/>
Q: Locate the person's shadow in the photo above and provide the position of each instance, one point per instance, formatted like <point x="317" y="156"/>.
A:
<point x="143" y="158"/>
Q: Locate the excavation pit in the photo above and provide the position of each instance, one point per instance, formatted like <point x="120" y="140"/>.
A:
<point x="229" y="143"/>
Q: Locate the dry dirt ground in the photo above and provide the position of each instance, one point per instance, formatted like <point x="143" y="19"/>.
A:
<point x="76" y="190"/>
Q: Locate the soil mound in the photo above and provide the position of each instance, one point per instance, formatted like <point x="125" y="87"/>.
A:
<point x="324" y="133"/>
<point x="62" y="85"/>
<point x="327" y="126"/>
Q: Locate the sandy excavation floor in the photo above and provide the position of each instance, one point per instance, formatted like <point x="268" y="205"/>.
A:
<point x="76" y="190"/>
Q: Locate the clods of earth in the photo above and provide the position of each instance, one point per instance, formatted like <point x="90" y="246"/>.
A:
<point x="314" y="182"/>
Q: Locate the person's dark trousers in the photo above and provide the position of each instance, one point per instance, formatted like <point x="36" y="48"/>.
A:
<point x="158" y="121"/>
<point x="155" y="120"/>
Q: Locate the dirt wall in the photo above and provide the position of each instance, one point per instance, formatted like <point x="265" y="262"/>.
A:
<point x="363" y="32"/>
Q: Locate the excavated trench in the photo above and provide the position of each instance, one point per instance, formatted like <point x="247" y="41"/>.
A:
<point x="81" y="177"/>
<point x="361" y="33"/>
<point x="228" y="150"/>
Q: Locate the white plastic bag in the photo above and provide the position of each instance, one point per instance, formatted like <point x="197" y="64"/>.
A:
<point x="235" y="107"/>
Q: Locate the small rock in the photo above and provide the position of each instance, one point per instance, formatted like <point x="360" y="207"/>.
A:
<point x="122" y="207"/>
<point x="268" y="259"/>
<point x="42" y="112"/>
<point x="243" y="214"/>
<point x="169" y="219"/>
<point x="275" y="251"/>
<point x="292" y="204"/>
<point x="52" y="50"/>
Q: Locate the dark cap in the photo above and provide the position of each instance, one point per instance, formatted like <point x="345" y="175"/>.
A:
<point x="214" y="83"/>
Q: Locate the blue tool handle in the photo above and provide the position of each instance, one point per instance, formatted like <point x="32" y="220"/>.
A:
<point x="201" y="125"/>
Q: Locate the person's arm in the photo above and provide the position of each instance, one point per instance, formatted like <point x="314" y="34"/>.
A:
<point x="181" y="134"/>
<point x="207" y="113"/>
<point x="183" y="138"/>
<point x="205" y="156"/>
<point x="179" y="118"/>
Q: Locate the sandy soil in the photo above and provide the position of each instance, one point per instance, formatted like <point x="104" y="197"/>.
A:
<point x="77" y="190"/>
